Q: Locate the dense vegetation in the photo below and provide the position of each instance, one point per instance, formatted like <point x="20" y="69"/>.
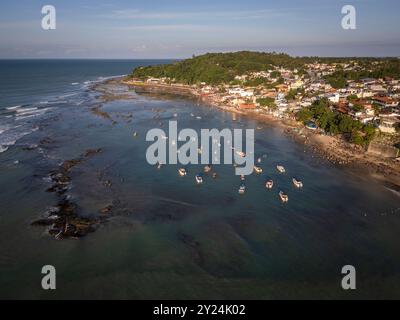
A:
<point x="336" y="123"/>
<point x="216" y="68"/>
<point x="366" y="69"/>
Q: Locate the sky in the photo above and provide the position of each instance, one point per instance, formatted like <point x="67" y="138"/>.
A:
<point x="157" y="29"/>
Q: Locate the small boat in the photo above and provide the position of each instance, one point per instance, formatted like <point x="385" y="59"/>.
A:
<point x="259" y="160"/>
<point x="135" y="134"/>
<point x="182" y="172"/>
<point x="241" y="154"/>
<point x="281" y="169"/>
<point x="207" y="168"/>
<point x="242" y="177"/>
<point x="159" y="165"/>
<point x="284" y="197"/>
<point x="258" y="169"/>
<point x="199" y="179"/>
<point x="242" y="188"/>
<point x="297" y="183"/>
<point x="214" y="175"/>
<point x="269" y="184"/>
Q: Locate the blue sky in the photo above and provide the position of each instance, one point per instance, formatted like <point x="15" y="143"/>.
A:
<point x="180" y="28"/>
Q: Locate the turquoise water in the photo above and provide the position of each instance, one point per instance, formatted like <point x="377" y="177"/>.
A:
<point x="168" y="237"/>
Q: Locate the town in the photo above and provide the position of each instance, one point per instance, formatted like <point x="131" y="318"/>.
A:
<point x="318" y="94"/>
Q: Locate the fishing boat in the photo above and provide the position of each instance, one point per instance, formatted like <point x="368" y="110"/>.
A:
<point x="242" y="188"/>
<point x="284" y="197"/>
<point x="207" y="168"/>
<point x="214" y="175"/>
<point x="297" y="183"/>
<point x="258" y="169"/>
<point x="242" y="177"/>
<point x="269" y="184"/>
<point x="281" y="169"/>
<point x="199" y="179"/>
<point x="182" y="172"/>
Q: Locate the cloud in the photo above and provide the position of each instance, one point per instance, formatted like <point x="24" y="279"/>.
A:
<point x="243" y="14"/>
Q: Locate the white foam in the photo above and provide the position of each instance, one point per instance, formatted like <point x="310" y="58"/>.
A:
<point x="26" y="109"/>
<point x="3" y="149"/>
<point x="13" y="108"/>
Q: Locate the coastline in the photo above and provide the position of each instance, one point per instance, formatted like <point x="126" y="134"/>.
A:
<point x="331" y="148"/>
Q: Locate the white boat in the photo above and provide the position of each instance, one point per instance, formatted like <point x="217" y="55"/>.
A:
<point x="259" y="160"/>
<point x="269" y="184"/>
<point x="199" y="179"/>
<point x="207" y="168"/>
<point x="258" y="169"/>
<point x="281" y="169"/>
<point x="297" y="183"/>
<point x="242" y="177"/>
<point x="214" y="175"/>
<point x="182" y="172"/>
<point x="159" y="165"/>
<point x="242" y="188"/>
<point x="284" y="197"/>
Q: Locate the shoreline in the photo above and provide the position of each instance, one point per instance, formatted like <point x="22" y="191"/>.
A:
<point x="331" y="148"/>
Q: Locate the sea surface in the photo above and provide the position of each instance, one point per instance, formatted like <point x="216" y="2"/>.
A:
<point x="168" y="238"/>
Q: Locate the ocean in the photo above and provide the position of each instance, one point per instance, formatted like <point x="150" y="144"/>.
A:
<point x="167" y="237"/>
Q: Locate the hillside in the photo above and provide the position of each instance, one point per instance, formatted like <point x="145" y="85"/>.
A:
<point x="216" y="68"/>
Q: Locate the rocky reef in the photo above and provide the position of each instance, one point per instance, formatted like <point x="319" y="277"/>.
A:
<point x="63" y="220"/>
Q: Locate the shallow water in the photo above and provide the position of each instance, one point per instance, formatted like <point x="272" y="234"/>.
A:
<point x="170" y="238"/>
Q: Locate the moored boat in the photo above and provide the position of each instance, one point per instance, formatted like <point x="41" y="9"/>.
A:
<point x="269" y="184"/>
<point x="159" y="165"/>
<point x="258" y="169"/>
<point x="242" y="188"/>
<point x="281" y="169"/>
<point x="242" y="177"/>
<point x="207" y="168"/>
<point x="199" y="179"/>
<point x="182" y="172"/>
<point x="297" y="183"/>
<point x="241" y="154"/>
<point x="284" y="197"/>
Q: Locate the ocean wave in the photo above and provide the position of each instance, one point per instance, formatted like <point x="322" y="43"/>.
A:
<point x="14" y="107"/>
<point x="26" y="109"/>
<point x="3" y="149"/>
<point x="13" y="135"/>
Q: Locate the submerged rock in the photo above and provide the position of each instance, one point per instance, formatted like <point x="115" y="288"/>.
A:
<point x="63" y="219"/>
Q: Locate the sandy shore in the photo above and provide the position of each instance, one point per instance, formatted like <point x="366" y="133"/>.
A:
<point x="334" y="149"/>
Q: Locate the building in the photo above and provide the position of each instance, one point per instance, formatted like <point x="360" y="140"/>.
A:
<point x="388" y="125"/>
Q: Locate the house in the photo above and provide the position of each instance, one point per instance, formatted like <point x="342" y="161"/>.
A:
<point x="385" y="101"/>
<point x="388" y="125"/>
